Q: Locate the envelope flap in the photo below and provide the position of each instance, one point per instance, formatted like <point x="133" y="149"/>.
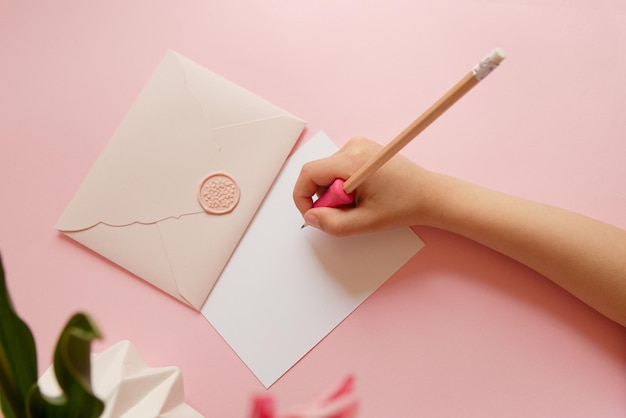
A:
<point x="223" y="103"/>
<point x="200" y="245"/>
<point x="151" y="168"/>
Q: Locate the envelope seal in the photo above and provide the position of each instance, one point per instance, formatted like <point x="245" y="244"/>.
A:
<point x="218" y="194"/>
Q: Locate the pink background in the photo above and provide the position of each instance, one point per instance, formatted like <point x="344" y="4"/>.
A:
<point x="460" y="330"/>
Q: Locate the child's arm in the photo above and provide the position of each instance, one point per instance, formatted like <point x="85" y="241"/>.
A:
<point x="584" y="256"/>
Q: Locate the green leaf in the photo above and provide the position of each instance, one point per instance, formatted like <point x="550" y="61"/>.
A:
<point x="72" y="367"/>
<point x="18" y="356"/>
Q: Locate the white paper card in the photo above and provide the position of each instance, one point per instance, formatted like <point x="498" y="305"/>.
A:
<point x="285" y="288"/>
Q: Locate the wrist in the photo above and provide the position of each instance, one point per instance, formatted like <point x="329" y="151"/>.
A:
<point x="444" y="201"/>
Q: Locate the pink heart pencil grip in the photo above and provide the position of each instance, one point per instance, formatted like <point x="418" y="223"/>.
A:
<point x="342" y="192"/>
<point x="334" y="196"/>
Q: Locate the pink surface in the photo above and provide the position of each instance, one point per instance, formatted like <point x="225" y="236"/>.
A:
<point x="460" y="330"/>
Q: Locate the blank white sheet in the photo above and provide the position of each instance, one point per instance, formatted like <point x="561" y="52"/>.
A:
<point x="285" y="288"/>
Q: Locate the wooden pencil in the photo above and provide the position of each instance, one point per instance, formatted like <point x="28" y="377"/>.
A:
<point x="429" y="116"/>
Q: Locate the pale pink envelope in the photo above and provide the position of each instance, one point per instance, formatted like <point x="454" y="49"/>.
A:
<point x="138" y="205"/>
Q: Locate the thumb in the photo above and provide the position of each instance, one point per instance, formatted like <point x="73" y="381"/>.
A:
<point x="335" y="221"/>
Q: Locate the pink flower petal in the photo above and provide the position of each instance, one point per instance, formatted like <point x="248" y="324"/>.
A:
<point x="263" y="407"/>
<point x="336" y="402"/>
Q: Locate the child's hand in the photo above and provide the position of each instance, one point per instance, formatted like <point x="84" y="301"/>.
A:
<point x="398" y="194"/>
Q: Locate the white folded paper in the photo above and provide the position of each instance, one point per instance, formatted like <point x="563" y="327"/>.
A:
<point x="286" y="288"/>
<point x="129" y="388"/>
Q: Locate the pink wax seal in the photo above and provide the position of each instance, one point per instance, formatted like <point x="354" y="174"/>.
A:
<point x="218" y="194"/>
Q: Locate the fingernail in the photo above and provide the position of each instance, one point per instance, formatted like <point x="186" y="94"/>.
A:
<point x="311" y="220"/>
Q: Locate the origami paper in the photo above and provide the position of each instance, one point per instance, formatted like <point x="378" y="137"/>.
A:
<point x="130" y="388"/>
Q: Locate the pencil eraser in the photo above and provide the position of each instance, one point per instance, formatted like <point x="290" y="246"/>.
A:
<point x="488" y="64"/>
<point x="497" y="55"/>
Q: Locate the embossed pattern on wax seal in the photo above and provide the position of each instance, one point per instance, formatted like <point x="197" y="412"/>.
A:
<point x="218" y="194"/>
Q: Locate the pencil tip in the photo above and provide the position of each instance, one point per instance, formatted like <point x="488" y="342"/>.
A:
<point x="303" y="225"/>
